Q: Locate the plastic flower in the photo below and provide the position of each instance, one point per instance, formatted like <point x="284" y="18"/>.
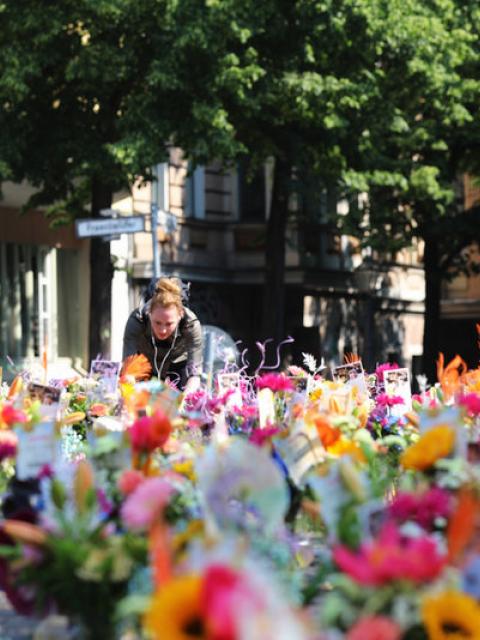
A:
<point x="8" y="444"/>
<point x="145" y="505"/>
<point x="375" y="628"/>
<point x="391" y="557"/>
<point x="436" y="443"/>
<point x="275" y="382"/>
<point x="150" y="432"/>
<point x="175" y="612"/>
<point x="451" y="615"/>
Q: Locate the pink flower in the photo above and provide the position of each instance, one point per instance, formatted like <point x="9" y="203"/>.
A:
<point x="422" y="509"/>
<point x="8" y="444"/>
<point x="226" y="595"/>
<point x="275" y="382"/>
<point x="145" y="505"/>
<point x="261" y="436"/>
<point x="130" y="480"/>
<point x="12" y="416"/>
<point x="150" y="432"/>
<point x="293" y="370"/>
<point x="471" y="402"/>
<point x="385" y="400"/>
<point x="375" y="628"/>
<point x="387" y="366"/>
<point x="391" y="557"/>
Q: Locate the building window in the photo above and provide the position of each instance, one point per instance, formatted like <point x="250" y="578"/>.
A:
<point x="26" y="313"/>
<point x="195" y="194"/>
<point x="252" y="194"/>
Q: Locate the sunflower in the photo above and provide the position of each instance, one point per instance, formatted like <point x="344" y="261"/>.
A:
<point x="175" y="612"/>
<point x="451" y="615"/>
<point x="436" y="443"/>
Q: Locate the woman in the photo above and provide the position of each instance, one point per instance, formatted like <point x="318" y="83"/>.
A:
<point x="168" y="334"/>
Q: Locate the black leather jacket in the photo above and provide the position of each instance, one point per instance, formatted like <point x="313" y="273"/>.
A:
<point x="181" y="354"/>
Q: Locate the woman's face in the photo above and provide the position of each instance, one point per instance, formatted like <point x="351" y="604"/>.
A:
<point x="164" y="321"/>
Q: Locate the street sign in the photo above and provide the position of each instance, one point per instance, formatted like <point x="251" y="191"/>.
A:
<point x="88" y="227"/>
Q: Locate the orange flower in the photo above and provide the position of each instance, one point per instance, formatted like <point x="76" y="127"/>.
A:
<point x="461" y="526"/>
<point x="450" y="377"/>
<point x="327" y="434"/>
<point x="434" y="444"/>
<point x="137" y="368"/>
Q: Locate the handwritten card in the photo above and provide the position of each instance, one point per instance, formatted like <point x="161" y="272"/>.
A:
<point x="35" y="449"/>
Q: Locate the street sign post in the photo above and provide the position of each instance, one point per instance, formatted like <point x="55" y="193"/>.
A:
<point x="90" y="227"/>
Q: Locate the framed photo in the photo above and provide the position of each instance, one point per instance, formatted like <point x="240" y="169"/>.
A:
<point x="48" y="395"/>
<point x="352" y="375"/>
<point x="397" y="383"/>
<point x="230" y="382"/>
<point x="105" y="371"/>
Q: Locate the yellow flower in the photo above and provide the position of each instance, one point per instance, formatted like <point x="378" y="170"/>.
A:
<point x="316" y="394"/>
<point x="175" y="612"/>
<point x="186" y="469"/>
<point x="434" y="444"/>
<point x="451" y="615"/>
<point x="344" y="447"/>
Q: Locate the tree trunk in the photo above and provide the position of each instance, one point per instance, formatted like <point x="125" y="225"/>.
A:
<point x="274" y="288"/>
<point x="433" y="289"/>
<point x="101" y="274"/>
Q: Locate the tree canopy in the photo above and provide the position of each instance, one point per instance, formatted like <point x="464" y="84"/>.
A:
<point x="375" y="96"/>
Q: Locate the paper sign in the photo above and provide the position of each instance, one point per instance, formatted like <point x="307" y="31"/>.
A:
<point x="352" y="375"/>
<point x="36" y="448"/>
<point x="227" y="382"/>
<point x="300" y="452"/>
<point x="397" y="383"/>
<point x="106" y="372"/>
<point x="266" y="407"/>
<point x="49" y="398"/>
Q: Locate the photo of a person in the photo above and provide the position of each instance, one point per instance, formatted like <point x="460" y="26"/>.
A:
<point x="46" y="394"/>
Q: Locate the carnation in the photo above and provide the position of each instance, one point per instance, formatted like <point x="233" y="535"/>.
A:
<point x="275" y="382"/>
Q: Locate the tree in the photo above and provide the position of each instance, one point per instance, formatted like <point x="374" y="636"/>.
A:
<point x="289" y="80"/>
<point x="425" y="135"/>
<point x="77" y="83"/>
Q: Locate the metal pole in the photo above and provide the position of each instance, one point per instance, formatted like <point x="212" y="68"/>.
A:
<point x="155" y="243"/>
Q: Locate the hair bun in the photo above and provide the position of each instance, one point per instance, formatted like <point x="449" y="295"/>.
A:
<point x="169" y="285"/>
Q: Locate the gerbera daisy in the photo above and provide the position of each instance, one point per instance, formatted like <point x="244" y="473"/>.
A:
<point x="451" y="615"/>
<point x="175" y="612"/>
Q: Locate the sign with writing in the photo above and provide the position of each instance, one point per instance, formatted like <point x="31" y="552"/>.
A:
<point x="36" y="448"/>
<point x="89" y="227"/>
